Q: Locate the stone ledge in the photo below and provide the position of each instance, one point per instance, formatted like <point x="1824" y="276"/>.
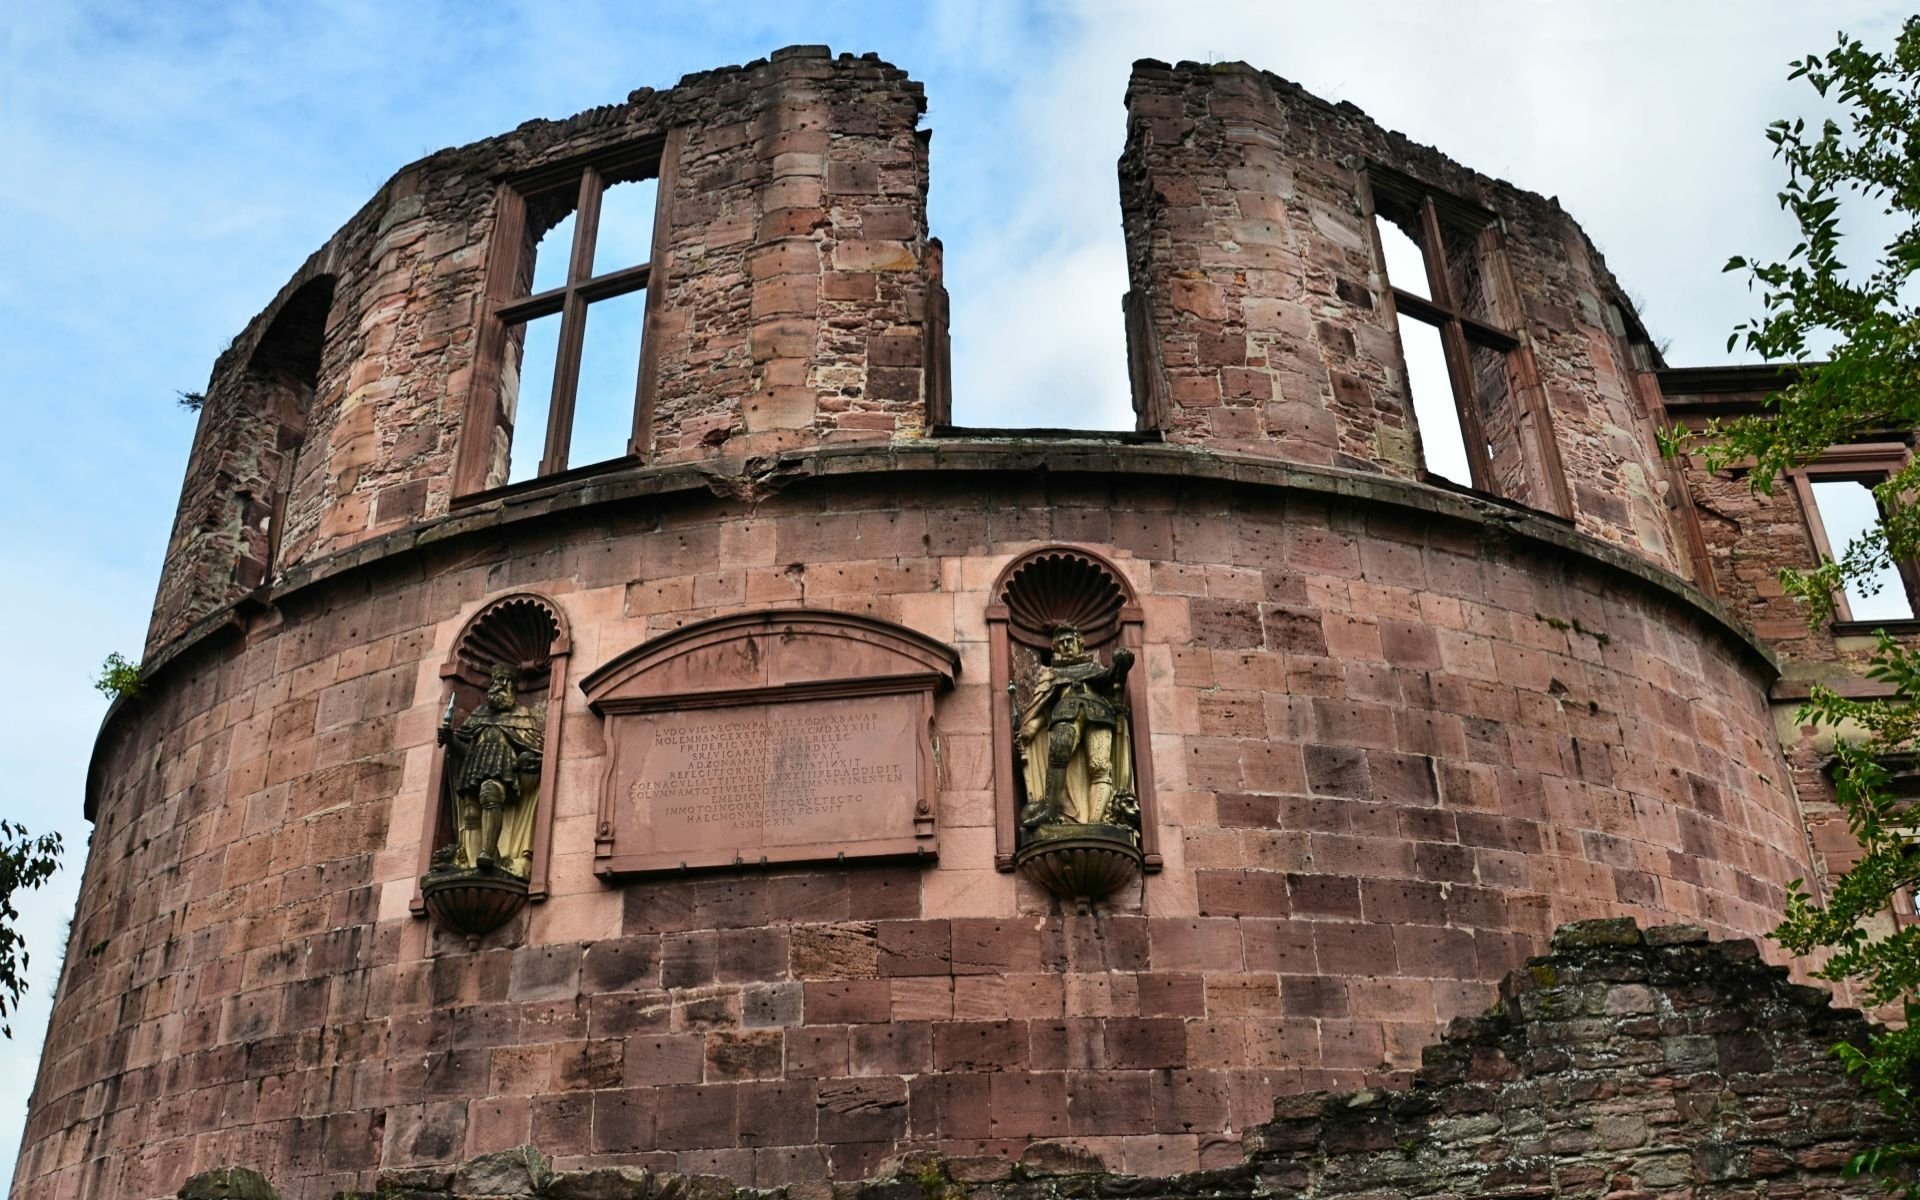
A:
<point x="751" y="479"/>
<point x="755" y="478"/>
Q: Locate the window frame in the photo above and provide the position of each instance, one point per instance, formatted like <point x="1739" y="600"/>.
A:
<point x="1869" y="464"/>
<point x="1460" y="332"/>
<point x="585" y="178"/>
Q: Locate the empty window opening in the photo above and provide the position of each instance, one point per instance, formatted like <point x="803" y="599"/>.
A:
<point x="280" y="379"/>
<point x="1846" y="511"/>
<point x="571" y="369"/>
<point x="1406" y="262"/>
<point x="528" y="384"/>
<point x="1443" y="446"/>
<point x="626" y="224"/>
<point x="550" y="255"/>
<point x="1437" y="257"/>
<point x="609" y="375"/>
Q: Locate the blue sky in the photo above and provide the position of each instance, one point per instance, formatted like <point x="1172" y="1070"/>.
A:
<point x="168" y="165"/>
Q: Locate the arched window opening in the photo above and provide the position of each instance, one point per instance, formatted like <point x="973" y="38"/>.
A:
<point x="278" y="384"/>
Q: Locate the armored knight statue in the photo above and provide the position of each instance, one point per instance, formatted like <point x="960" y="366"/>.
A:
<point x="1074" y="740"/>
<point x="496" y="753"/>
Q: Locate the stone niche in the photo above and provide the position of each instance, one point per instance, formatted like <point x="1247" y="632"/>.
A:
<point x="789" y="736"/>
<point x="1036" y="596"/>
<point x="528" y="633"/>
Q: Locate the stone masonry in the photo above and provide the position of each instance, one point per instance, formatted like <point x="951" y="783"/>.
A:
<point x="1247" y="233"/>
<point x="1620" y="1063"/>
<point x="1399" y="731"/>
<point x="796" y="274"/>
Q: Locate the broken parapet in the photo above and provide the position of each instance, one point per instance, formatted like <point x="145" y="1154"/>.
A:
<point x="1261" y="318"/>
<point x="785" y="271"/>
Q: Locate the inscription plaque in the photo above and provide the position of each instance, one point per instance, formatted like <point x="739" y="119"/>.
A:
<point x="766" y="738"/>
<point x="771" y="775"/>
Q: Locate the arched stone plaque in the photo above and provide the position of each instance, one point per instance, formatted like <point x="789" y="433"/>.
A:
<point x="788" y="736"/>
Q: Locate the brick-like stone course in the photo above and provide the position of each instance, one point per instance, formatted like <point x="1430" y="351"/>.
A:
<point x="1359" y="841"/>
<point x="796" y="272"/>
<point x="1270" y="313"/>
<point x="1620" y="1063"/>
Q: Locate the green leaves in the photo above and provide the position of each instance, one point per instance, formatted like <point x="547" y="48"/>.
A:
<point x="119" y="677"/>
<point x="1867" y="389"/>
<point x="26" y="862"/>
<point x="1673" y="441"/>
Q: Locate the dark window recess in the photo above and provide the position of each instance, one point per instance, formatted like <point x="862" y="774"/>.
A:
<point x="572" y="371"/>
<point x="1439" y="258"/>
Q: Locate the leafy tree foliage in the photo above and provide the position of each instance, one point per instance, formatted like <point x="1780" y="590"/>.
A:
<point x="1866" y="321"/>
<point x="26" y="862"/>
<point x="119" y="677"/>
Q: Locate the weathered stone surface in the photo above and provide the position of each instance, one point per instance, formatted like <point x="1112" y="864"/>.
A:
<point x="1532" y="1097"/>
<point x="1400" y="733"/>
<point x="228" y="1183"/>
<point x="520" y="1171"/>
<point x="604" y="1183"/>
<point x="337" y="414"/>
<point x="1265" y="303"/>
<point x="1604" y="931"/>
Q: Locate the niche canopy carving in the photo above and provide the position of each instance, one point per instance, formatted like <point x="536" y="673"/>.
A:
<point x="1072" y="764"/>
<point x="485" y="841"/>
<point x="775" y="737"/>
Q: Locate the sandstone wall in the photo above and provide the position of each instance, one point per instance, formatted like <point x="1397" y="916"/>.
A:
<point x="1612" y="1065"/>
<point x="1750" y="536"/>
<point x="1396" y="743"/>
<point x="1398" y="733"/>
<point x="796" y="275"/>
<point x="1249" y="248"/>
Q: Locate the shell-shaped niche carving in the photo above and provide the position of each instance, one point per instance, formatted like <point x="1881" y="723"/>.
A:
<point x="1060" y="587"/>
<point x="518" y="631"/>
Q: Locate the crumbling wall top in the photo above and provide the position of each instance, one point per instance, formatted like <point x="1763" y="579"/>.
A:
<point x="730" y="267"/>
<point x="1498" y="354"/>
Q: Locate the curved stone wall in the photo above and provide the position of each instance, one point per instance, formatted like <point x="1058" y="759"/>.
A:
<point x="786" y="308"/>
<point x="1397" y="741"/>
<point x="1393" y="733"/>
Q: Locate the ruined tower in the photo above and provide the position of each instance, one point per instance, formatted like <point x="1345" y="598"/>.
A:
<point x="645" y="413"/>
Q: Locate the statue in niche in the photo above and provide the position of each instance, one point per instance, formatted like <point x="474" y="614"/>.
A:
<point x="496" y="752"/>
<point x="1075" y="742"/>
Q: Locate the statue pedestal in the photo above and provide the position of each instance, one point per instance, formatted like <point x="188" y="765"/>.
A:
<point x="472" y="902"/>
<point x="1081" y="863"/>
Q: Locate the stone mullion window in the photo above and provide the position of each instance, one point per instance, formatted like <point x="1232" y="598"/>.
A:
<point x="526" y="206"/>
<point x="1868" y="465"/>
<point x="1473" y="304"/>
